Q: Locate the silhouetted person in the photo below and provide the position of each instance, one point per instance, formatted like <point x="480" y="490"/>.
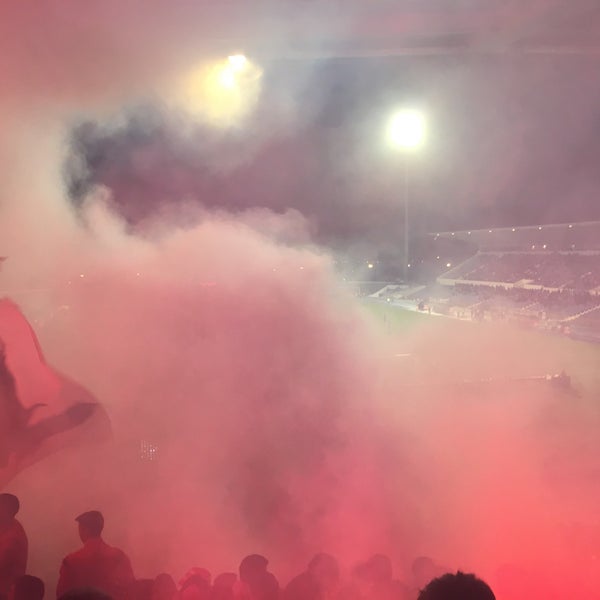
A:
<point x="256" y="583"/>
<point x="224" y="586"/>
<point x="457" y="587"/>
<point x="164" y="587"/>
<point x="97" y="565"/>
<point x="13" y="543"/>
<point x="318" y="582"/>
<point x="27" y="587"/>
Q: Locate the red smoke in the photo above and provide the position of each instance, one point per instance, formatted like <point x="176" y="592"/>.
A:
<point x="281" y="420"/>
<point x="283" y="423"/>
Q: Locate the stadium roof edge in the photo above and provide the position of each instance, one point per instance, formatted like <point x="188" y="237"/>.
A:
<point x="517" y="227"/>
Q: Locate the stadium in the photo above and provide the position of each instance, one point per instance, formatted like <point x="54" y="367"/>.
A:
<point x="299" y="300"/>
<point x="543" y="277"/>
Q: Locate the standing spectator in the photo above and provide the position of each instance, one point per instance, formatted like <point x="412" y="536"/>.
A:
<point x="96" y="565"/>
<point x="13" y="543"/>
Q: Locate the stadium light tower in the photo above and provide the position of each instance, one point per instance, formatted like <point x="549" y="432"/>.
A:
<point x="406" y="132"/>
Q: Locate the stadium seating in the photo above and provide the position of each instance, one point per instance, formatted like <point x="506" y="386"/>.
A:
<point x="558" y="270"/>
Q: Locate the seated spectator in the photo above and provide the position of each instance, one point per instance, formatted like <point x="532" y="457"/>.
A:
<point x="27" y="587"/>
<point x="457" y="587"/>
<point x="97" y="565"/>
<point x="256" y="583"/>
<point x="318" y="582"/>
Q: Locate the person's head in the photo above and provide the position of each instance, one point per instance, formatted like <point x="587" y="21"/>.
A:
<point x="9" y="507"/>
<point x="325" y="570"/>
<point x="27" y="587"/>
<point x="253" y="567"/>
<point x="91" y="524"/>
<point x="457" y="586"/>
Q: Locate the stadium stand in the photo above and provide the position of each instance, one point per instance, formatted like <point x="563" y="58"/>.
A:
<point x="553" y="270"/>
<point x="545" y="276"/>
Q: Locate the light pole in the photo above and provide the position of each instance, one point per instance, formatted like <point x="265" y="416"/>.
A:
<point x="406" y="132"/>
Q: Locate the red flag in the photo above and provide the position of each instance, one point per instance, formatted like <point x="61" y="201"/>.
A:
<point x="41" y="410"/>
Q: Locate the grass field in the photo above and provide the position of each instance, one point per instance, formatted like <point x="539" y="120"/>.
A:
<point x="471" y="349"/>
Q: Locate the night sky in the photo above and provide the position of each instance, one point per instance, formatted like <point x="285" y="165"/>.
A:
<point x="511" y="141"/>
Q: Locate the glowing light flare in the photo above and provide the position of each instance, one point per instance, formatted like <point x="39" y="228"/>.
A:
<point x="221" y="92"/>
<point x="226" y="78"/>
<point x="237" y="61"/>
<point x="407" y="129"/>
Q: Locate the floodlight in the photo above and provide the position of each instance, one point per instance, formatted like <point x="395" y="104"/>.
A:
<point x="407" y="129"/>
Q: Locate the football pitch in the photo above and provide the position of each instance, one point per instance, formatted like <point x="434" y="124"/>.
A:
<point x="498" y="349"/>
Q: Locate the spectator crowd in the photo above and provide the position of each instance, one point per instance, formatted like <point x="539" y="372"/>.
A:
<point x="98" y="571"/>
<point x="575" y="271"/>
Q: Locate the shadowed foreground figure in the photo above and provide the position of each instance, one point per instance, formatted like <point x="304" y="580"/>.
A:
<point x="27" y="587"/>
<point x="13" y="543"/>
<point x="457" y="587"/>
<point x="97" y="565"/>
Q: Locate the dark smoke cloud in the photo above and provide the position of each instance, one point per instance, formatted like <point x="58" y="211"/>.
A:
<point x="509" y="144"/>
